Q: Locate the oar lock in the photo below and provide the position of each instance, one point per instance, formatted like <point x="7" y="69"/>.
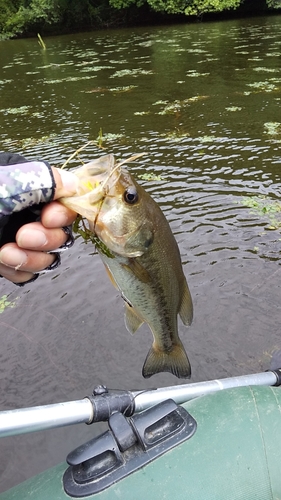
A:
<point x="130" y="443"/>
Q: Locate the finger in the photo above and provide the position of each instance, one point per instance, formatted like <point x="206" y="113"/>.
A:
<point x="16" y="259"/>
<point x="55" y="215"/>
<point x="15" y="276"/>
<point x="66" y="183"/>
<point x="35" y="236"/>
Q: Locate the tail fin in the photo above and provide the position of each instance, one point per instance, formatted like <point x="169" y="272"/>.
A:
<point x="175" y="361"/>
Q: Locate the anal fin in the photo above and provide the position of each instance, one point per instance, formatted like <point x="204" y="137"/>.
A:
<point x="186" y="307"/>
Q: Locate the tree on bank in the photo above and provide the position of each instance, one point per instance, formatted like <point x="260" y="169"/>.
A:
<point x="196" y="7"/>
<point x="29" y="16"/>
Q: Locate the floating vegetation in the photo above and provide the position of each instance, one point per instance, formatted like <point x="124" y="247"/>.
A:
<point x="126" y="88"/>
<point x="175" y="106"/>
<point x="171" y="108"/>
<point x="131" y="72"/>
<point x="5" y="303"/>
<point x="272" y="128"/>
<point x="150" y="177"/>
<point x="263" y="86"/>
<point x="207" y="138"/>
<point x="233" y="108"/>
<point x="159" y="102"/>
<point x="70" y="79"/>
<point x="118" y="90"/>
<point x="106" y="138"/>
<point x="30" y="141"/>
<point x="22" y="110"/>
<point x="112" y="137"/>
<point x="176" y="135"/>
<point x="265" y="206"/>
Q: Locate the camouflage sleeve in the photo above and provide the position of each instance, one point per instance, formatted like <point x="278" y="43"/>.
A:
<point x="25" y="184"/>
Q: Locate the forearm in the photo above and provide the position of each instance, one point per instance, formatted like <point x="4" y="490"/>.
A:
<point x="25" y="184"/>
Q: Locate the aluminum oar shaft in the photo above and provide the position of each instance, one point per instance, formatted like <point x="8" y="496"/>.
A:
<point x="88" y="410"/>
<point x="25" y="420"/>
<point x="182" y="393"/>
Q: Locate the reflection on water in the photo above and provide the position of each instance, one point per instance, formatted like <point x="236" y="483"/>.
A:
<point x="203" y="101"/>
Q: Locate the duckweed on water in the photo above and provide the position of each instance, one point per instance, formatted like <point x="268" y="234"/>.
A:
<point x="272" y="128"/>
<point x="265" y="206"/>
<point x="262" y="86"/>
<point x="150" y="177"/>
<point x="177" y="105"/>
<point x="176" y="135"/>
<point x="131" y="72"/>
<point x="30" y="141"/>
<point x="233" y="108"/>
<point x="22" y="110"/>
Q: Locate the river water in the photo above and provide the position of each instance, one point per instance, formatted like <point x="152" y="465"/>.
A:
<point x="203" y="102"/>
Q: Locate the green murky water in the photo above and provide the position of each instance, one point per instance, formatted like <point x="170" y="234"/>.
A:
<point x="203" y="101"/>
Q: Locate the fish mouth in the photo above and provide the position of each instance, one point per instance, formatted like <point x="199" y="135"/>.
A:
<point x="96" y="179"/>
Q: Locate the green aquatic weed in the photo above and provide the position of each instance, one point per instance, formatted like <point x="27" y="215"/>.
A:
<point x="112" y="137"/>
<point x="265" y="206"/>
<point x="150" y="177"/>
<point x="30" y="141"/>
<point x="262" y="86"/>
<point x="80" y="228"/>
<point x="233" y="108"/>
<point x="131" y="72"/>
<point x="22" y="110"/>
<point x="207" y="138"/>
<point x="272" y="128"/>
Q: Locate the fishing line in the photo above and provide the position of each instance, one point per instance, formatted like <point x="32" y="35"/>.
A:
<point x="143" y="391"/>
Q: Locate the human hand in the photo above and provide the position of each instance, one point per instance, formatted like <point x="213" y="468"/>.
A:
<point x="22" y="260"/>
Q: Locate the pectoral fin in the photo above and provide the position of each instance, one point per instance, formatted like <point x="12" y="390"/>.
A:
<point x="132" y="320"/>
<point x="186" y="307"/>
<point x="137" y="270"/>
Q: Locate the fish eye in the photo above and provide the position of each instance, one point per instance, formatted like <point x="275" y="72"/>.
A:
<point x="131" y="195"/>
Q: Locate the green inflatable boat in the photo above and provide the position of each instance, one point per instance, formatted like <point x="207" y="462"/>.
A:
<point x="216" y="440"/>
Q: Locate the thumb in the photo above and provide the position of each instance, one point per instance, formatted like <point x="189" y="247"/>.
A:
<point x="66" y="183"/>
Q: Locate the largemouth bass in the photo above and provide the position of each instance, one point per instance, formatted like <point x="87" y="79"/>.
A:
<point x="144" y="261"/>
